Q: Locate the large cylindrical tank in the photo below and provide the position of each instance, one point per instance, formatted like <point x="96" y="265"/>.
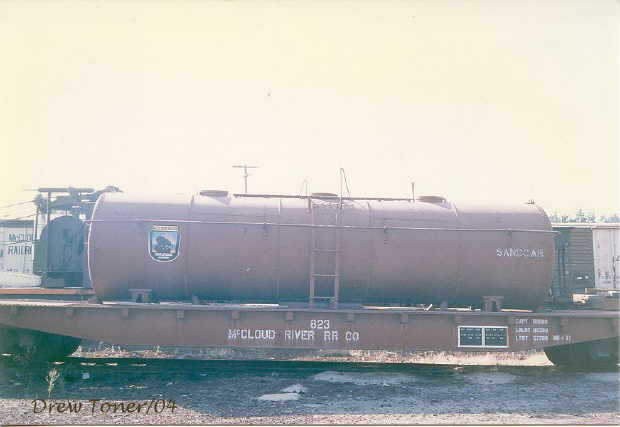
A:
<point x="263" y="249"/>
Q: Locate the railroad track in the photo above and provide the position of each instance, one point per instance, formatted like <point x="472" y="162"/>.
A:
<point x="131" y="372"/>
<point x="214" y="391"/>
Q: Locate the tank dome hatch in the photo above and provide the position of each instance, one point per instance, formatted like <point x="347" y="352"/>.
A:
<point x="324" y="195"/>
<point x="431" y="199"/>
<point x="214" y="193"/>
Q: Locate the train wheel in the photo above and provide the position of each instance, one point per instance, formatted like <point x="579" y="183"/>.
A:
<point x="585" y="355"/>
<point x="36" y="345"/>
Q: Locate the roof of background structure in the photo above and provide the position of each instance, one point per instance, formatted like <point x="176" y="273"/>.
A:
<point x="16" y="223"/>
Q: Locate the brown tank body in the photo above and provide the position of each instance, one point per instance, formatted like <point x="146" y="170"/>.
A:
<point x="269" y="249"/>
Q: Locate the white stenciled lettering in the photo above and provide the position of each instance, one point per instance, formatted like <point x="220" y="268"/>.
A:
<point x="319" y="324"/>
<point x="523" y="330"/>
<point x="520" y="252"/>
<point x="540" y="321"/>
<point x="298" y="335"/>
<point x="252" y="334"/>
<point x="541" y="330"/>
<point x="352" y="336"/>
<point x="330" y="336"/>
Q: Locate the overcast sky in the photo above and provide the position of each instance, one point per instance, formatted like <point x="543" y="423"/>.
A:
<point x="482" y="101"/>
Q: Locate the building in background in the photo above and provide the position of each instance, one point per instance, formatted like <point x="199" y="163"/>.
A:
<point x="587" y="256"/>
<point x="16" y="247"/>
<point x="606" y="248"/>
<point x="16" y="254"/>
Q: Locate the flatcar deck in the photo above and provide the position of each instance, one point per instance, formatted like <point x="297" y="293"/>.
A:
<point x="275" y="326"/>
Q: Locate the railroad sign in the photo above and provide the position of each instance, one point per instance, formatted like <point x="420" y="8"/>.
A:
<point x="164" y="242"/>
<point x="483" y="336"/>
<point x="16" y="239"/>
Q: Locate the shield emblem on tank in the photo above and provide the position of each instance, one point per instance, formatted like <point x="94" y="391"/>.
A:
<point x="164" y="242"/>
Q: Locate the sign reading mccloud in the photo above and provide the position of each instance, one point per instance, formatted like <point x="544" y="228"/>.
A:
<point x="164" y="242"/>
<point x="520" y="252"/>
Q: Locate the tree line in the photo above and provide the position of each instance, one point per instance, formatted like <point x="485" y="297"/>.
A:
<point x="582" y="216"/>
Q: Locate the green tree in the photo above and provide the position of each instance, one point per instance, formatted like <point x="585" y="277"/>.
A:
<point x="580" y="216"/>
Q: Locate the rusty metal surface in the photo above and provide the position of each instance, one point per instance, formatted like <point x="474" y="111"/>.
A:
<point x="258" y="249"/>
<point x="272" y="326"/>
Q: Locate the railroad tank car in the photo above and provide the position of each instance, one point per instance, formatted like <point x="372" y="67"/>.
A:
<point x="275" y="249"/>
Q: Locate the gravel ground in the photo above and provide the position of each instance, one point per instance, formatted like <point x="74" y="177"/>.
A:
<point x="301" y="392"/>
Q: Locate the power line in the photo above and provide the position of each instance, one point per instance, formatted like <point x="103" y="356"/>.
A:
<point x="16" y="204"/>
<point x="21" y="217"/>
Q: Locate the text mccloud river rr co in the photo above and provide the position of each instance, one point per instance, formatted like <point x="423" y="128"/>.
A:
<point x="98" y="406"/>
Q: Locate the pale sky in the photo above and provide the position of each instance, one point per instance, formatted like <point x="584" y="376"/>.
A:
<point x="478" y="101"/>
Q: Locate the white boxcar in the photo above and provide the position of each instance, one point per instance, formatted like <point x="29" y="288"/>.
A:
<point x="16" y="246"/>
<point x="606" y="245"/>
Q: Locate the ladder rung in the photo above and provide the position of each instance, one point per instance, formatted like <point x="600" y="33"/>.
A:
<point x="325" y="275"/>
<point x="333" y="251"/>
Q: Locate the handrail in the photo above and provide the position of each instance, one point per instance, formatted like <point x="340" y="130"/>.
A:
<point x="344" y="227"/>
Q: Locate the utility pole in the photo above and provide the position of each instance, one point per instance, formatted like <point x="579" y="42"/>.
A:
<point x="245" y="174"/>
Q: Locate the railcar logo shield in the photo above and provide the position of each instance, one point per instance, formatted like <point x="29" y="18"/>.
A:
<point x="164" y="242"/>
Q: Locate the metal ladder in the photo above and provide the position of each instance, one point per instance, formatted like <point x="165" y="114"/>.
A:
<point x="314" y="251"/>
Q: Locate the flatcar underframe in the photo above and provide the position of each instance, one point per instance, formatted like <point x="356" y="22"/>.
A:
<point x="568" y="337"/>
